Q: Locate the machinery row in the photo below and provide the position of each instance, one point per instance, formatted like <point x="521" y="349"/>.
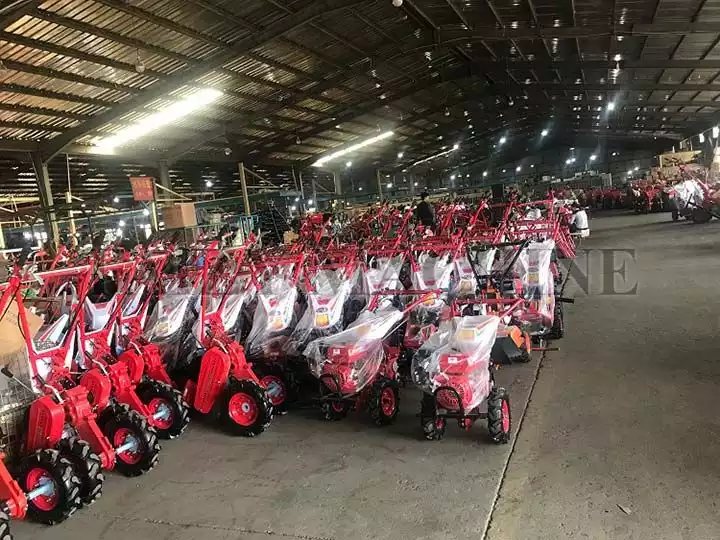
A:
<point x="119" y="347"/>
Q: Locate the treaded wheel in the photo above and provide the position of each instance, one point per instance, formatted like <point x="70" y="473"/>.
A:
<point x="5" y="533"/>
<point x="130" y="426"/>
<point x="276" y="387"/>
<point x="49" y="467"/>
<point x="384" y="401"/>
<point x="432" y="426"/>
<point x="557" y="331"/>
<point x="335" y="410"/>
<point x="700" y="215"/>
<point x="163" y="398"/>
<point x="499" y="417"/>
<point x="246" y="410"/>
<point x="87" y="465"/>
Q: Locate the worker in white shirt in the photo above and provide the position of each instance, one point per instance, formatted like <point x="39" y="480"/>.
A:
<point x="579" y="222"/>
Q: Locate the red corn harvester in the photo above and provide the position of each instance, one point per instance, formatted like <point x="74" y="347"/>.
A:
<point x="357" y="368"/>
<point x="44" y="486"/>
<point x="65" y="417"/>
<point x="225" y="382"/>
<point x="98" y="331"/>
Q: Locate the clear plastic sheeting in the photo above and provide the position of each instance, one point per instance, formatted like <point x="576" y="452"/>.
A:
<point x="688" y="192"/>
<point x="170" y="321"/>
<point x="433" y="273"/>
<point x="533" y="271"/>
<point x="383" y="273"/>
<point x="347" y="362"/>
<point x="454" y="364"/>
<point x="240" y="294"/>
<point x="274" y="318"/>
<point x="324" y="314"/>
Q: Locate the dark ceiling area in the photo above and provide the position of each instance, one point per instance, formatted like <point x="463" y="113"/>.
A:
<point x="304" y="78"/>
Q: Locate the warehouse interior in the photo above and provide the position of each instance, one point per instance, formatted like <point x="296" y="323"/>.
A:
<point x="258" y="115"/>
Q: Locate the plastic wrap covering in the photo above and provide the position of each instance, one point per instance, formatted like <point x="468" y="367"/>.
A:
<point x="433" y="273"/>
<point x="324" y="314"/>
<point x="454" y="364"/>
<point x="533" y="270"/>
<point x="274" y="318"/>
<point x="240" y="294"/>
<point x="688" y="192"/>
<point x="383" y="274"/>
<point x="347" y="362"/>
<point x="170" y="322"/>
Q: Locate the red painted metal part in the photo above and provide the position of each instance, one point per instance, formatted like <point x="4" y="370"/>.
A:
<point x="11" y="495"/>
<point x="46" y="420"/>
<point x="214" y="372"/>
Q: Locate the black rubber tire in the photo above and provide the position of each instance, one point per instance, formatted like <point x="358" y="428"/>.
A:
<point x="495" y="416"/>
<point x="377" y="414"/>
<point x="125" y="418"/>
<point x="675" y="215"/>
<point x="432" y="426"/>
<point x="335" y="410"/>
<point x="258" y="395"/>
<point x="265" y="370"/>
<point x="5" y="533"/>
<point x="67" y="485"/>
<point x="557" y="331"/>
<point x="87" y="465"/>
<point x="700" y="215"/>
<point x="151" y="389"/>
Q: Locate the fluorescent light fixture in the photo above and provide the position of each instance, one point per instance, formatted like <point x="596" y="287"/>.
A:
<point x="146" y="212"/>
<point x="716" y="132"/>
<point x="121" y="224"/>
<point x="293" y="208"/>
<point x="209" y="183"/>
<point x="456" y="146"/>
<point x="637" y="169"/>
<point x="362" y="144"/>
<point x="400" y="155"/>
<point x="389" y="186"/>
<point x="348" y="164"/>
<point x="360" y="188"/>
<point x="453" y="177"/>
<point x="161" y="118"/>
<point x="630" y="172"/>
<point x="503" y="140"/>
<point x="544" y="133"/>
<point x="702" y="138"/>
<point x="116" y="200"/>
<point x="297" y="199"/>
<point x="593" y="157"/>
<point x="310" y="201"/>
<point x="434" y="156"/>
<point x="518" y="168"/>
<point x="611" y="106"/>
<point x="485" y="173"/>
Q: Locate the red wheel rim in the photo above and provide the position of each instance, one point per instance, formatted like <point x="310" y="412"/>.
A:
<point x="36" y="478"/>
<point x="159" y="404"/>
<point x="275" y="389"/>
<point x="122" y="436"/>
<point x="505" y="416"/>
<point x="242" y="409"/>
<point x="387" y="401"/>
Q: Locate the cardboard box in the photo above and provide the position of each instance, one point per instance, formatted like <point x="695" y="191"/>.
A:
<point x="179" y="216"/>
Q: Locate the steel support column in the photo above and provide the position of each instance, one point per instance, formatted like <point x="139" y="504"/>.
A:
<point x="243" y="186"/>
<point x="338" y="183"/>
<point x="46" y="199"/>
<point x="164" y="174"/>
<point x="378" y="174"/>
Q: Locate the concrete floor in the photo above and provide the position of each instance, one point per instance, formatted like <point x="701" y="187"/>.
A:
<point x="621" y="438"/>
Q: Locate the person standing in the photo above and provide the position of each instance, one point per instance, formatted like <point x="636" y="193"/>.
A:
<point x="424" y="211"/>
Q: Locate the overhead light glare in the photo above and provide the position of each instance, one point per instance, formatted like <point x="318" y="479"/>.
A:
<point x="544" y="133"/>
<point x="362" y="144"/>
<point x="611" y="106"/>
<point x="154" y="121"/>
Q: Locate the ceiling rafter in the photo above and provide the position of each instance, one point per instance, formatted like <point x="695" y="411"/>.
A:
<point x="175" y="81"/>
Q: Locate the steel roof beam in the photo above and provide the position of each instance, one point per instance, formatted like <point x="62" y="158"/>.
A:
<point x="454" y="36"/>
<point x="191" y="74"/>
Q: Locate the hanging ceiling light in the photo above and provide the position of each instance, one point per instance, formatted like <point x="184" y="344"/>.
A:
<point x="161" y="118"/>
<point x="367" y="142"/>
